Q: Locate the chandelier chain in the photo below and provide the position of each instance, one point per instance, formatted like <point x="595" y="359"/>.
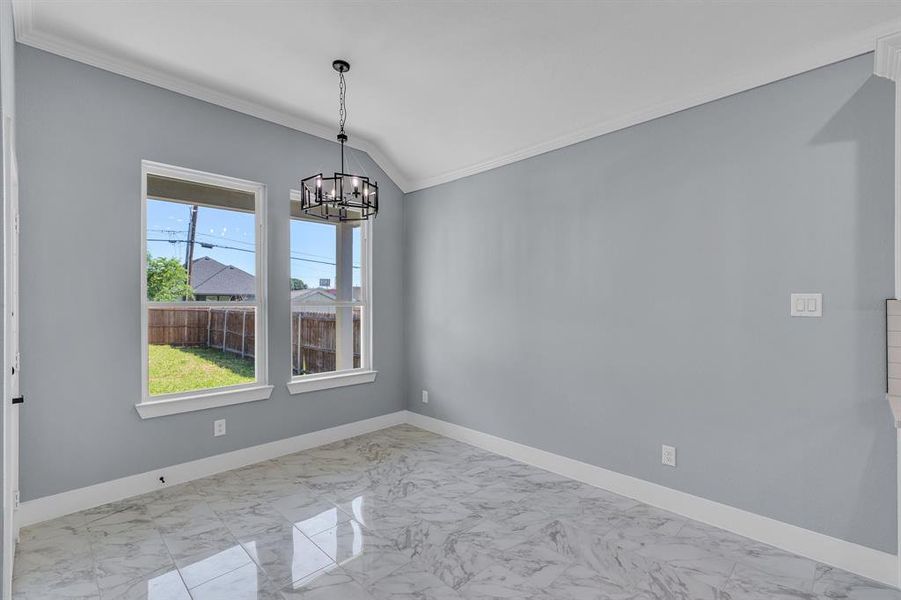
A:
<point x="342" y="110"/>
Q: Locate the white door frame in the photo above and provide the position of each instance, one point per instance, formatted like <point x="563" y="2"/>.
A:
<point x="11" y="351"/>
<point x="888" y="64"/>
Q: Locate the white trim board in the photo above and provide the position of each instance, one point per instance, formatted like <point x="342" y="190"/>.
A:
<point x="58" y="505"/>
<point x="867" y="562"/>
<point x="314" y="383"/>
<point x="812" y="58"/>
<point x="887" y="64"/>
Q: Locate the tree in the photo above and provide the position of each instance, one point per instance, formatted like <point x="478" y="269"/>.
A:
<point x="167" y="280"/>
<point x="298" y="284"/>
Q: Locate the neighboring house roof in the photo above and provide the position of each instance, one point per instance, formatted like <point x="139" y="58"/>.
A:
<point x="320" y="297"/>
<point x="209" y="277"/>
<point x="312" y="296"/>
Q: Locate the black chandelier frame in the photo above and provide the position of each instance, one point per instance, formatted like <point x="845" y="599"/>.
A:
<point x="336" y="198"/>
<point x="343" y="196"/>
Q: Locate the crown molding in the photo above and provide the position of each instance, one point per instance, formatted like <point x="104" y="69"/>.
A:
<point x="809" y="60"/>
<point x="825" y="54"/>
<point x="888" y="57"/>
<point x="28" y="34"/>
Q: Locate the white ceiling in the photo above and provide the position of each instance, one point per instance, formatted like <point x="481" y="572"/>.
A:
<point x="439" y="90"/>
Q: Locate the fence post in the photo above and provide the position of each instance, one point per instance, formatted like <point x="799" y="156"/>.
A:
<point x="209" y="323"/>
<point x="224" y="329"/>
<point x="299" y="342"/>
<point x="243" y="332"/>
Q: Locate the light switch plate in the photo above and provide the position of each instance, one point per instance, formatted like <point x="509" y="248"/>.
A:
<point x="807" y="305"/>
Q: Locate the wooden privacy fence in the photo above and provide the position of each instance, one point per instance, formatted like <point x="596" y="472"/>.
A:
<point x="229" y="329"/>
<point x="232" y="330"/>
<point x="313" y="342"/>
<point x="178" y="326"/>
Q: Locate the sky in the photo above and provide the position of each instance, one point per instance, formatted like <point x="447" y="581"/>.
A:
<point x="231" y="237"/>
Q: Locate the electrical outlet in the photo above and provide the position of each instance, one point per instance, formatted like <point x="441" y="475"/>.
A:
<point x="668" y="456"/>
<point x="425" y="397"/>
<point x="218" y="427"/>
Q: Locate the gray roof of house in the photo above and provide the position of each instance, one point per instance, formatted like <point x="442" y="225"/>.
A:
<point x="209" y="277"/>
<point x="314" y="295"/>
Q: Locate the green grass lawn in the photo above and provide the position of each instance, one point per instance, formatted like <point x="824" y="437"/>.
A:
<point x="184" y="369"/>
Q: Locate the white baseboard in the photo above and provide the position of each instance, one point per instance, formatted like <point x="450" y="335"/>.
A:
<point x="867" y="562"/>
<point x="58" y="505"/>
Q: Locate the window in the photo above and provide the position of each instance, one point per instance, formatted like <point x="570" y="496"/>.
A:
<point x="330" y="302"/>
<point x="203" y="291"/>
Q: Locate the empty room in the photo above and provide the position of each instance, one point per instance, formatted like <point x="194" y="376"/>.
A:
<point x="450" y="300"/>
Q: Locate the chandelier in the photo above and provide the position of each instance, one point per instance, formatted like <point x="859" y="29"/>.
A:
<point x="344" y="196"/>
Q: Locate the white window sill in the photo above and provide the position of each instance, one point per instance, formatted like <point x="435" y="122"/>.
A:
<point x="325" y="381"/>
<point x="202" y="401"/>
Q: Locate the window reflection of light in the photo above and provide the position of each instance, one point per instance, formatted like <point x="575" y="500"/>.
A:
<point x="324" y="520"/>
<point x="358" y="538"/>
<point x="303" y="582"/>
<point x="346" y="549"/>
<point x="166" y="586"/>
<point x="251" y="548"/>
<point x="205" y="570"/>
<point x="357" y="506"/>
<point x="297" y="570"/>
<point x="328" y="541"/>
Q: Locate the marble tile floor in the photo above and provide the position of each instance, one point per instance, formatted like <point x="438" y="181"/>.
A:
<point x="404" y="514"/>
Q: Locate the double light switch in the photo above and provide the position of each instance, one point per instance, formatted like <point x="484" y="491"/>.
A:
<point x="807" y="305"/>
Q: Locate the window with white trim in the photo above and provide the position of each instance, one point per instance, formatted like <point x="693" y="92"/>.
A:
<point x="330" y="300"/>
<point x="203" y="268"/>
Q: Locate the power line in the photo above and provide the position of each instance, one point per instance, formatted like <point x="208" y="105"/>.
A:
<point x="210" y="245"/>
<point x="230" y="239"/>
<point x="199" y="233"/>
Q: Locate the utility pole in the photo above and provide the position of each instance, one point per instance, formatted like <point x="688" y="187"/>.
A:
<point x="189" y="252"/>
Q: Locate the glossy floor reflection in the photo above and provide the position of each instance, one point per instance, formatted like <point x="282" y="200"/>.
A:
<point x="404" y="514"/>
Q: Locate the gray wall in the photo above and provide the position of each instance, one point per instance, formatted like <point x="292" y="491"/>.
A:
<point x="82" y="135"/>
<point x="633" y="290"/>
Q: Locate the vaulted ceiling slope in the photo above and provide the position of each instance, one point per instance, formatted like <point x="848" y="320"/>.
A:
<point x="440" y="90"/>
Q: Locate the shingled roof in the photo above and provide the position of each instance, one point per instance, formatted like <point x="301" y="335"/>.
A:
<point x="209" y="277"/>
